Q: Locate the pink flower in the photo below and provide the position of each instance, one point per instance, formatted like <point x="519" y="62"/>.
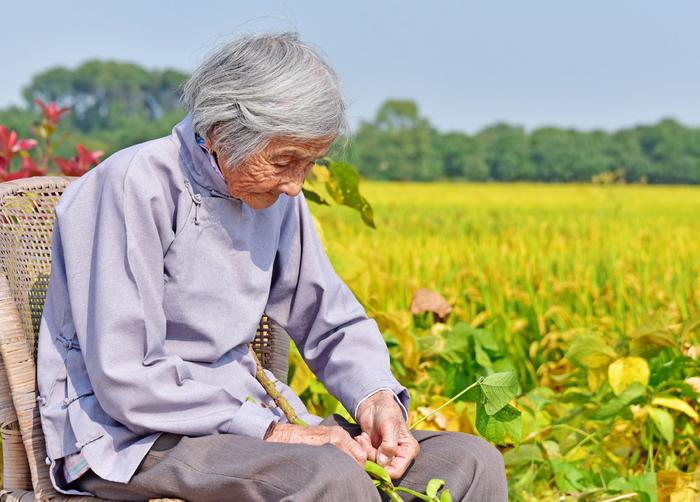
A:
<point x="9" y="146"/>
<point x="52" y="112"/>
<point x="77" y="166"/>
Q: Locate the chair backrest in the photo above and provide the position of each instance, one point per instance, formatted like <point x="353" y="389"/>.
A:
<point x="26" y="226"/>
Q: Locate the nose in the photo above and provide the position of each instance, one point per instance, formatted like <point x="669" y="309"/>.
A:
<point x="291" y="188"/>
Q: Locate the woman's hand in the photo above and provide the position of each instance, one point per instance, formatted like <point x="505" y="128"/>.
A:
<point x="385" y="433"/>
<point x="318" y="435"/>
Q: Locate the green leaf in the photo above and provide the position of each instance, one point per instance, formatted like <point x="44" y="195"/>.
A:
<point x="591" y="350"/>
<point x="416" y="494"/>
<point x="568" y="477"/>
<point x="523" y="455"/>
<point x="377" y="471"/>
<point x="663" y="421"/>
<point x="434" y="486"/>
<point x="613" y="406"/>
<point x="445" y="496"/>
<point x="498" y="428"/>
<point x="644" y="485"/>
<point x="499" y="389"/>
<point x="343" y="187"/>
<point x="314" y="196"/>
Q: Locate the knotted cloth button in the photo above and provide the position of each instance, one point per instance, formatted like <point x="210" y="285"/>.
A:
<point x="41" y="400"/>
<point x="47" y="461"/>
<point x="67" y="344"/>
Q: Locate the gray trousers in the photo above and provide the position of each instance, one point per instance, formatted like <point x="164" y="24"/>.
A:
<point x="232" y="467"/>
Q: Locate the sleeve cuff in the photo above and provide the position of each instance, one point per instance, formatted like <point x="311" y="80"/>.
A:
<point x="251" y="420"/>
<point x="396" y="398"/>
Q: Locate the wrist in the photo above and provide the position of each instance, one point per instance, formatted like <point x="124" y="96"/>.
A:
<point x="380" y="397"/>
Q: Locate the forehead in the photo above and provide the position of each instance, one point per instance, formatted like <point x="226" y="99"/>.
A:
<point x="297" y="146"/>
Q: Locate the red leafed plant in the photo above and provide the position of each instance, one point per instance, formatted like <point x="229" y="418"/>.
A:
<point x="12" y="147"/>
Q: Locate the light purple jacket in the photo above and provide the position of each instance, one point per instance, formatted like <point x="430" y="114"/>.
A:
<point x="159" y="279"/>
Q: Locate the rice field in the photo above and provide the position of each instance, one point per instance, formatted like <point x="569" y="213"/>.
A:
<point x="534" y="266"/>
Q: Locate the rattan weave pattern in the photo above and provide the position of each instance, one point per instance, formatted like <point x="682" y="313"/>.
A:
<point x="26" y="226"/>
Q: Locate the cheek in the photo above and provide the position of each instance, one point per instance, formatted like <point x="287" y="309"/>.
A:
<point x="253" y="176"/>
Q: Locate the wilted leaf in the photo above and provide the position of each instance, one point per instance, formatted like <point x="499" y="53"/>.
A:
<point x="678" y="486"/>
<point x="591" y="350"/>
<point x="627" y="370"/>
<point x="649" y="339"/>
<point x="395" y="325"/>
<point x="663" y="421"/>
<point x="426" y="300"/>
<point x="499" y="389"/>
<point x="694" y="382"/>
<point x="676" y="404"/>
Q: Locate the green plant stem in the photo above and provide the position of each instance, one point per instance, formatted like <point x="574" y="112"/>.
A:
<point x="272" y="391"/>
<point x="281" y="401"/>
<point x="478" y="382"/>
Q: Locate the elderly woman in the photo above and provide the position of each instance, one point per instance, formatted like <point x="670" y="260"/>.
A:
<point x="165" y="257"/>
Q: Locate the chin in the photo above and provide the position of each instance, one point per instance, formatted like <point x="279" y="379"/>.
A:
<point x="261" y="202"/>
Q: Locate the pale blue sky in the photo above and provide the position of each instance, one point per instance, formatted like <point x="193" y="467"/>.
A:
<point x="586" y="64"/>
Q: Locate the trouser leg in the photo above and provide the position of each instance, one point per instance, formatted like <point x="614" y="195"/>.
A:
<point x="233" y="467"/>
<point x="472" y="468"/>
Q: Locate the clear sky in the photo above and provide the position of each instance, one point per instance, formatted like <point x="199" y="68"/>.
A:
<point x="584" y="64"/>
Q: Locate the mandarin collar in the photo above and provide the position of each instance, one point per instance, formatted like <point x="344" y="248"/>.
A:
<point x="195" y="158"/>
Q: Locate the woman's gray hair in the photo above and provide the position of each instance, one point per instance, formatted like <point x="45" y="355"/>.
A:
<point x="262" y="86"/>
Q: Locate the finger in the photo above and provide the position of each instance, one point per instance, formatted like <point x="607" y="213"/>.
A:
<point x="363" y="440"/>
<point x="389" y="430"/>
<point x="398" y="466"/>
<point x="356" y="451"/>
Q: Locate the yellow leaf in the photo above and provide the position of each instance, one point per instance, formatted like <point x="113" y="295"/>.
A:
<point x="627" y="370"/>
<point x="595" y="377"/>
<point x="678" y="486"/>
<point x="676" y="404"/>
<point x="302" y="378"/>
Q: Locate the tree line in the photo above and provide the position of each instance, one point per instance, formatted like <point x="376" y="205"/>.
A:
<point x="115" y="104"/>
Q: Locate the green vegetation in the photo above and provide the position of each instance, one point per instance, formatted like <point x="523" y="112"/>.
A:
<point x="590" y="294"/>
<point x="575" y="308"/>
<point x="117" y="104"/>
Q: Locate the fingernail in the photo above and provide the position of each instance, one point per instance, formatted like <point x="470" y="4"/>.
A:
<point x="382" y="459"/>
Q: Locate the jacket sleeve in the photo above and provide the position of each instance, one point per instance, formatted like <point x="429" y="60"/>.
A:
<point x="340" y="343"/>
<point x="116" y="286"/>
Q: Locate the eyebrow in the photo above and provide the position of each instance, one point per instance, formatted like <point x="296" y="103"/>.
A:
<point x="294" y="150"/>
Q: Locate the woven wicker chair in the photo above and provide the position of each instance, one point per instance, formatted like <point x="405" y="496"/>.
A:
<point x="26" y="225"/>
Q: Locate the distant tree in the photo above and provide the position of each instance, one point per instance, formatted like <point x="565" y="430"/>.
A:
<point x="117" y="104"/>
<point x="397" y="144"/>
<point x="506" y="151"/>
<point x="108" y="94"/>
<point x="462" y="157"/>
<point x="569" y="155"/>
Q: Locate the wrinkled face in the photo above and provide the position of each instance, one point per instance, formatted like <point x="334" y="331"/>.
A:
<point x="281" y="167"/>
